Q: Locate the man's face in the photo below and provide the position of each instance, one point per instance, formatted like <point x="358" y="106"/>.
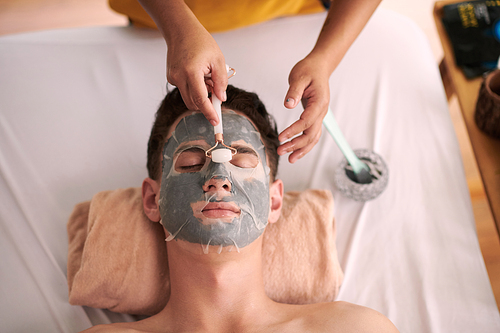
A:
<point x="207" y="203"/>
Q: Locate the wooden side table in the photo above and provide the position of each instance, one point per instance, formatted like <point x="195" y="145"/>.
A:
<point x="486" y="149"/>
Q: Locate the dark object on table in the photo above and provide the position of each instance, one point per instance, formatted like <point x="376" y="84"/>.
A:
<point x="487" y="114"/>
<point x="474" y="31"/>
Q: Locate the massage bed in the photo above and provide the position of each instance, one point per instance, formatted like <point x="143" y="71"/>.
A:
<point x="76" y="108"/>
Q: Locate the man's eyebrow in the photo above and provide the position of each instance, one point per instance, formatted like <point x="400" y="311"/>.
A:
<point x="193" y="149"/>
<point x="188" y="146"/>
<point x="244" y="149"/>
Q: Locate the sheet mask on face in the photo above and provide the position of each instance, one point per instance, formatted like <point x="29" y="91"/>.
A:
<point x="214" y="204"/>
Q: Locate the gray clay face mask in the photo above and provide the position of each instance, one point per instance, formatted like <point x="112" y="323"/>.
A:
<point x="216" y="204"/>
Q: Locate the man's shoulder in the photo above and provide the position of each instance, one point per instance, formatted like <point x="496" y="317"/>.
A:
<point x="348" y="317"/>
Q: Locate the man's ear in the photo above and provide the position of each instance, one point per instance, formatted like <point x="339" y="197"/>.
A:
<point x="150" y="197"/>
<point x="276" y="195"/>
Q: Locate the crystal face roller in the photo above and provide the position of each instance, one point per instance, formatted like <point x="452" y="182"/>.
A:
<point x="363" y="174"/>
<point x="220" y="153"/>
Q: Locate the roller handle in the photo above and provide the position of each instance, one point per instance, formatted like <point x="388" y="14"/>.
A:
<point x="334" y="130"/>
<point x="216" y="103"/>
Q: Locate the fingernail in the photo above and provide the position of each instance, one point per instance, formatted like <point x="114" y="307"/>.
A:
<point x="224" y="96"/>
<point x="290" y="100"/>
<point x="213" y="122"/>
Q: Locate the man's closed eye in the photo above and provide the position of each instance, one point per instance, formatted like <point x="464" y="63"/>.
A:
<point x="190" y="160"/>
<point x="246" y="157"/>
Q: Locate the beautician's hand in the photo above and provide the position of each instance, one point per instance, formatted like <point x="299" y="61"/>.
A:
<point x="189" y="59"/>
<point x="192" y="54"/>
<point x="309" y="78"/>
<point x="308" y="83"/>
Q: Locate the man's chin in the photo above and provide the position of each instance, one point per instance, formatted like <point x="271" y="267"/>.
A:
<point x="199" y="248"/>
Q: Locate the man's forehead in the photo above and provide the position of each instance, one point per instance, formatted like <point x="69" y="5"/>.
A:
<point x="194" y="126"/>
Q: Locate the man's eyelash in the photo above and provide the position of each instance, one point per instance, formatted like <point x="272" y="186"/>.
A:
<point x="191" y="167"/>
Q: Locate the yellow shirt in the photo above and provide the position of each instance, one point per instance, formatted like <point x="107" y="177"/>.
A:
<point x="222" y="15"/>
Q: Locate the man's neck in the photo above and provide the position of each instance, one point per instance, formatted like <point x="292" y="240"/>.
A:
<point x="216" y="291"/>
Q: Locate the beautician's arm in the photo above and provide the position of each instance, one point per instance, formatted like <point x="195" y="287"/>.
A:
<point x="309" y="77"/>
<point x="192" y="53"/>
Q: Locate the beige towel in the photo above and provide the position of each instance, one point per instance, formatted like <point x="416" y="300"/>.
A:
<point x="117" y="257"/>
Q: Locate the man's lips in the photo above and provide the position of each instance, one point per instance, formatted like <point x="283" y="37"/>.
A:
<point x="220" y="209"/>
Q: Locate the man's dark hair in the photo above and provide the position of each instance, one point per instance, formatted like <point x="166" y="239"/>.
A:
<point x="172" y="107"/>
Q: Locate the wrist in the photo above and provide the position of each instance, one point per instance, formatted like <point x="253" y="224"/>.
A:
<point x="325" y="59"/>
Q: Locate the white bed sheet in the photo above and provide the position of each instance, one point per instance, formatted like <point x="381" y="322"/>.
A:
<point x="76" y="107"/>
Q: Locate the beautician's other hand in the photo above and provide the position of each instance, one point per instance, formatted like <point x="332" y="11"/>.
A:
<point x="308" y="83"/>
<point x="309" y="78"/>
<point x="189" y="60"/>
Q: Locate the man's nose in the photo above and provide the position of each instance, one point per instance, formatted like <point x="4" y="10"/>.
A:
<point x="216" y="184"/>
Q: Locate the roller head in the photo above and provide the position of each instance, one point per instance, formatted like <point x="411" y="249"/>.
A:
<point x="221" y="155"/>
<point x="347" y="183"/>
